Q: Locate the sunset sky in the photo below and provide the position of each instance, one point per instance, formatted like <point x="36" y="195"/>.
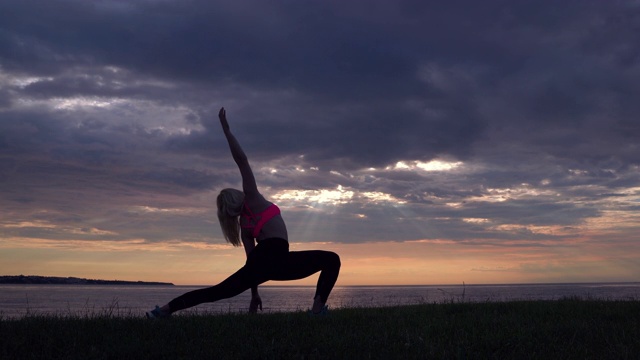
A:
<point x="426" y="142"/>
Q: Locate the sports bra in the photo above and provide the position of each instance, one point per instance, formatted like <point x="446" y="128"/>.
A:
<point x="257" y="221"/>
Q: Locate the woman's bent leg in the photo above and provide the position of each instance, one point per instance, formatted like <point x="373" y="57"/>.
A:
<point x="232" y="286"/>
<point x="328" y="276"/>
<point x="301" y="264"/>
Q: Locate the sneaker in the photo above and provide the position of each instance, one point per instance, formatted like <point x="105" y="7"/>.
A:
<point x="323" y="312"/>
<point x="157" y="313"/>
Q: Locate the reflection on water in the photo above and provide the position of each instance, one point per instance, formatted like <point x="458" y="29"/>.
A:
<point x="132" y="300"/>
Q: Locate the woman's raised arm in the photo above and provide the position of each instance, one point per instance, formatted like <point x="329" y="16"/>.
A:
<point x="248" y="180"/>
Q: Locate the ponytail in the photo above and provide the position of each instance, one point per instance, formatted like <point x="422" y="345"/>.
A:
<point x="230" y="203"/>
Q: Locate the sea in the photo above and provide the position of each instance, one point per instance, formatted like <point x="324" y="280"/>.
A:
<point x="17" y="301"/>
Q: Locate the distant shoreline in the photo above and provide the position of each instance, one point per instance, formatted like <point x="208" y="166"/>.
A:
<point x="54" y="280"/>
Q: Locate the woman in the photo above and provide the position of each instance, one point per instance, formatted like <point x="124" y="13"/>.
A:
<point x="247" y="218"/>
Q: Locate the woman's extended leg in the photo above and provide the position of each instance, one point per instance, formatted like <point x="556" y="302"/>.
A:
<point x="261" y="259"/>
<point x="230" y="287"/>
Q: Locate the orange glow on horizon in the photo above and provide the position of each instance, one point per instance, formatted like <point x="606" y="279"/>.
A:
<point x="421" y="262"/>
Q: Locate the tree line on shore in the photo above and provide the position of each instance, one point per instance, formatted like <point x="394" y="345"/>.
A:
<point x="55" y="280"/>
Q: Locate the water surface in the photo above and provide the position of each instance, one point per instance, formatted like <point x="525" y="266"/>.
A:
<point x="126" y="300"/>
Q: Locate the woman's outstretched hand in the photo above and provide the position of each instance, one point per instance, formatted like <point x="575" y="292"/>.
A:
<point x="222" y="115"/>
<point x="255" y="303"/>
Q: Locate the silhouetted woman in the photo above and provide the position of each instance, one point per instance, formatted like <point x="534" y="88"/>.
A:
<point x="247" y="218"/>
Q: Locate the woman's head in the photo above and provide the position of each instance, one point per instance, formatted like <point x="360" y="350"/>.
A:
<point x="230" y="202"/>
<point x="229" y="208"/>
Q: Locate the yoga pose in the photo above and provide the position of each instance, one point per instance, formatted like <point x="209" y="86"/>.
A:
<point x="247" y="218"/>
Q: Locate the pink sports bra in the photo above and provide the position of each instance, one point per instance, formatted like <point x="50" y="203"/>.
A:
<point x="257" y="221"/>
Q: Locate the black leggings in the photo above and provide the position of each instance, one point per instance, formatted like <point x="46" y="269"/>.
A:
<point x="270" y="260"/>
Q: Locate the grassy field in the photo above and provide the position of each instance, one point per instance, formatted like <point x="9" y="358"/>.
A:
<point x="562" y="329"/>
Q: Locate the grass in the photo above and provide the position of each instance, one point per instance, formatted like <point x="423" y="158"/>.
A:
<point x="561" y="329"/>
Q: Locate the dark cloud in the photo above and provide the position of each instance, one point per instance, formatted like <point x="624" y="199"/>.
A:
<point x="115" y="103"/>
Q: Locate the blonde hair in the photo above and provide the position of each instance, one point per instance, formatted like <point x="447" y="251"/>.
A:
<point x="229" y="208"/>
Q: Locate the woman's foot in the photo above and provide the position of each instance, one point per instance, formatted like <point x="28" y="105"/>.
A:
<point x="318" y="306"/>
<point x="323" y="312"/>
<point x="158" y="313"/>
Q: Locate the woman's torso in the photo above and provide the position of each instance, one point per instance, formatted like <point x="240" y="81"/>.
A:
<point x="255" y="208"/>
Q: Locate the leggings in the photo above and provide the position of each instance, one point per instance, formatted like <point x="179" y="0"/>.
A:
<point x="270" y="260"/>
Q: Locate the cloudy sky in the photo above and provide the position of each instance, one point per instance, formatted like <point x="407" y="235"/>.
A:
<point x="427" y="142"/>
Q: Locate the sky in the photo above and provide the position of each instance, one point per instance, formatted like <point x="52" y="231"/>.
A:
<point x="426" y="142"/>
